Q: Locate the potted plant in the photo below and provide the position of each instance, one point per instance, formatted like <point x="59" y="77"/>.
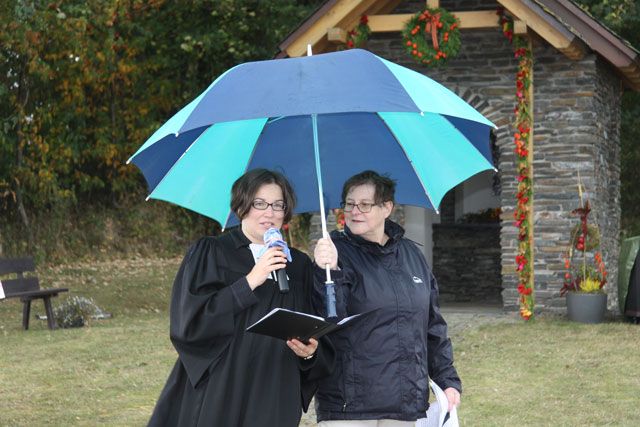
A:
<point x="585" y="275"/>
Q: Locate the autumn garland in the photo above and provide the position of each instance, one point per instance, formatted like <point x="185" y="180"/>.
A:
<point x="360" y="34"/>
<point x="522" y="140"/>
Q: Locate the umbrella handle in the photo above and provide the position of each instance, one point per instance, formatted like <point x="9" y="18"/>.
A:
<point x="330" y="292"/>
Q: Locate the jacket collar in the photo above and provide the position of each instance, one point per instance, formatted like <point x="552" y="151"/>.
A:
<point x="391" y="229"/>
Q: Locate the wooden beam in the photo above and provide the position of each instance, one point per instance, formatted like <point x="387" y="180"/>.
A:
<point x="375" y="8"/>
<point x="468" y="20"/>
<point x="576" y="50"/>
<point x="557" y="36"/>
<point x="316" y="35"/>
<point x="519" y="27"/>
<point x="336" y="35"/>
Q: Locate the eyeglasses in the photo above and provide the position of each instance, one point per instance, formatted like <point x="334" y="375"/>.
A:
<point x="363" y="207"/>
<point x="261" y="205"/>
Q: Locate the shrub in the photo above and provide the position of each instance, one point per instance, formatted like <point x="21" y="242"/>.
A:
<point x="76" y="311"/>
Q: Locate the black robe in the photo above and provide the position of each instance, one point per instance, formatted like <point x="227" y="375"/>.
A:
<point x="225" y="376"/>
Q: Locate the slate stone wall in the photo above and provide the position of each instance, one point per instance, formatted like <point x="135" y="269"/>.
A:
<point x="466" y="262"/>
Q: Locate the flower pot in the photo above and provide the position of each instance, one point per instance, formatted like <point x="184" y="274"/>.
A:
<point x="586" y="307"/>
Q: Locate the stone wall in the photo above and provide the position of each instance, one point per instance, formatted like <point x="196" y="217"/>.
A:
<point x="466" y="262"/>
<point x="606" y="169"/>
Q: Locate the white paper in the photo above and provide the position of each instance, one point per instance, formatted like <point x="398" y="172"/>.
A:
<point x="436" y="416"/>
<point x="346" y="319"/>
<point x="1" y="291"/>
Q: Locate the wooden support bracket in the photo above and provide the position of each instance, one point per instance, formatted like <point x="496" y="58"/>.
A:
<point x="519" y="27"/>
<point x="336" y="35"/>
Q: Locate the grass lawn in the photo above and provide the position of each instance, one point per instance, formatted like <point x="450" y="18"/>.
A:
<point x="548" y="372"/>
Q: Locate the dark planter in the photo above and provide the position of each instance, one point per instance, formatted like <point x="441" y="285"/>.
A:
<point x="585" y="307"/>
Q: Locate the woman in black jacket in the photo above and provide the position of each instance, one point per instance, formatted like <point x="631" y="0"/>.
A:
<point x="385" y="359"/>
<point x="225" y="376"/>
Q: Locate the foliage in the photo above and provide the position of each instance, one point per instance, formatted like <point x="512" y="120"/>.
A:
<point x="585" y="238"/>
<point x="84" y="82"/>
<point x="340" y="221"/>
<point x="630" y="159"/>
<point x="297" y="232"/>
<point x="132" y="228"/>
<point x="76" y="312"/>
<point x="432" y="36"/>
<point x="357" y="37"/>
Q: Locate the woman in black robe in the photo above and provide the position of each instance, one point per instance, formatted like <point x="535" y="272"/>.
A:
<point x="225" y="376"/>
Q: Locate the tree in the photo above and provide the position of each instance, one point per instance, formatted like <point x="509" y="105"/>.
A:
<point x="84" y="82"/>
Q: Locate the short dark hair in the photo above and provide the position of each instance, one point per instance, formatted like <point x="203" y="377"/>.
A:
<point x="245" y="188"/>
<point x="384" y="187"/>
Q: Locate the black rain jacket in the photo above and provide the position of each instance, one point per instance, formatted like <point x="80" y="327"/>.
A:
<point x="384" y="358"/>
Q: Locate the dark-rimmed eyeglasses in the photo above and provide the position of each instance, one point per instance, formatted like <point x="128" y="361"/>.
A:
<point x="261" y="205"/>
<point x="363" y="207"/>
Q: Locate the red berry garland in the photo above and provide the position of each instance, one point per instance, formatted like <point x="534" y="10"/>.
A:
<point x="360" y="34"/>
<point x="522" y="139"/>
<point x="432" y="36"/>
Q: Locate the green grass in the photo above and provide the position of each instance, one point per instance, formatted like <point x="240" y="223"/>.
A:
<point x="548" y="372"/>
<point x="108" y="373"/>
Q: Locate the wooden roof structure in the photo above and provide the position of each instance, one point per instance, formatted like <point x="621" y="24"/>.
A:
<point x="562" y="23"/>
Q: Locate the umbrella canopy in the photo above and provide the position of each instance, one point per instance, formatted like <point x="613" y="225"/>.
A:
<point x="345" y="111"/>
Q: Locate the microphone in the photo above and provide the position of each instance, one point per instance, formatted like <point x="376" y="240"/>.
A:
<point x="273" y="238"/>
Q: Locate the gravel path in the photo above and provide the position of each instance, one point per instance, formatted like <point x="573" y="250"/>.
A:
<point x="459" y="317"/>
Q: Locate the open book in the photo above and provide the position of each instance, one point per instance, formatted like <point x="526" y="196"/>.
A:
<point x="286" y="324"/>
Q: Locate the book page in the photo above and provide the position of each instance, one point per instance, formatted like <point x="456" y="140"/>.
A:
<point x="346" y="319"/>
<point x="277" y="309"/>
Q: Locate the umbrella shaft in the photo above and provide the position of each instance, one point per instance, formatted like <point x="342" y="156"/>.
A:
<point x="316" y="153"/>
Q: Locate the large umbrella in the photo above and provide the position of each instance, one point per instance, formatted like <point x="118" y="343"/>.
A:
<point x="319" y="120"/>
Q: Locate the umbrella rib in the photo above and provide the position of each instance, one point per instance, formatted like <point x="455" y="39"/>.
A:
<point x="176" y="162"/>
<point x="460" y="132"/>
<point x="275" y="119"/>
<point x="395" y="137"/>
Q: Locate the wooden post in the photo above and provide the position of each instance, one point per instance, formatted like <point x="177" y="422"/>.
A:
<point x="433" y="4"/>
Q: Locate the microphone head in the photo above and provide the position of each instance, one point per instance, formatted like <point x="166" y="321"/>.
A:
<point x="272" y="237"/>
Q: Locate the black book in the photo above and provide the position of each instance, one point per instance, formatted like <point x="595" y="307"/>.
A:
<point x="287" y="324"/>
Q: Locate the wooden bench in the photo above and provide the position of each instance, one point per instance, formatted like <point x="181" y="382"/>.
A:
<point x="27" y="288"/>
